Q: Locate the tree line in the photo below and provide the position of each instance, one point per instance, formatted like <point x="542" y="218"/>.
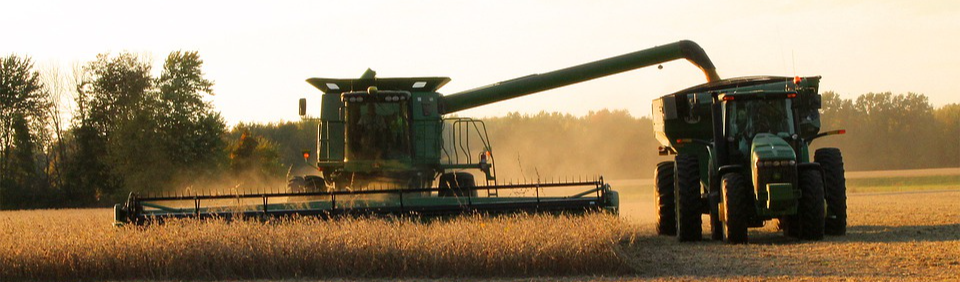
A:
<point x="130" y="131"/>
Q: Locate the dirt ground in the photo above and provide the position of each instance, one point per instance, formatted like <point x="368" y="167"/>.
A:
<point x="904" y="236"/>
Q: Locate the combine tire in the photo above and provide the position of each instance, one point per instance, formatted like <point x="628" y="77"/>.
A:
<point x="811" y="208"/>
<point x="295" y="184"/>
<point x="313" y="183"/>
<point x="834" y="190"/>
<point x="457" y="184"/>
<point x="666" y="204"/>
<point x="736" y="208"/>
<point x="687" y="192"/>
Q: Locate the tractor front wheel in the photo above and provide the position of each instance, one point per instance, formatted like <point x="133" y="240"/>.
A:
<point x="736" y="208"/>
<point x="664" y="197"/>
<point x="687" y="193"/>
<point x="811" y="208"/>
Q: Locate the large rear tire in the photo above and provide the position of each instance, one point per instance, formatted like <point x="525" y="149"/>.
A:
<point x="811" y="209"/>
<point x="687" y="193"/>
<point x="736" y="208"/>
<point x="834" y="190"/>
<point x="666" y="203"/>
<point x="457" y="184"/>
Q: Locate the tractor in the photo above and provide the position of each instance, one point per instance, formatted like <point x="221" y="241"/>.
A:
<point x="742" y="156"/>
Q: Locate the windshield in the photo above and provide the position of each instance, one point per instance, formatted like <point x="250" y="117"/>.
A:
<point x="377" y="130"/>
<point x="746" y="118"/>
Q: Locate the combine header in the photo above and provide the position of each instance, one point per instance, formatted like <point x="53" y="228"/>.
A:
<point x="384" y="142"/>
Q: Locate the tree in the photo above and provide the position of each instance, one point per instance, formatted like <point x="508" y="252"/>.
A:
<point x="190" y="130"/>
<point x="22" y="121"/>
<point x="115" y="110"/>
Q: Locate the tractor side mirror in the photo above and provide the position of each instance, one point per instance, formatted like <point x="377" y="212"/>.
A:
<point x="303" y="106"/>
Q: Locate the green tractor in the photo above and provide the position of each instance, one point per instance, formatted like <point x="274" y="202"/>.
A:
<point x="742" y="156"/>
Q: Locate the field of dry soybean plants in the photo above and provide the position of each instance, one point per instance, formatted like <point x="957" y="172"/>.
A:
<point x="894" y="236"/>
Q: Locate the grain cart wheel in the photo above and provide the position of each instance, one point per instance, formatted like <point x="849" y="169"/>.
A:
<point x="687" y="193"/>
<point x="664" y="196"/>
<point x="736" y="208"/>
<point x="811" y="208"/>
<point x="834" y="190"/>
<point x="457" y="184"/>
<point x="789" y="226"/>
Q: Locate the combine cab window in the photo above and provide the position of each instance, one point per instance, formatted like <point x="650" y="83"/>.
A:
<point x="377" y="131"/>
<point x="749" y="117"/>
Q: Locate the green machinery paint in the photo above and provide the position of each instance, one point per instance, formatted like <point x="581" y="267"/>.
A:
<point x="742" y="147"/>
<point x="392" y="137"/>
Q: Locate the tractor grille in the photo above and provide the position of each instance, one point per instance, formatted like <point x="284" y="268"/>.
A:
<point x="776" y="174"/>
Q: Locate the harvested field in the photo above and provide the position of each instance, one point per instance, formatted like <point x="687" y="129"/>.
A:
<point x="912" y="236"/>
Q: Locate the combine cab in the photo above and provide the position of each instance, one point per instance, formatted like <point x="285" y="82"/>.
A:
<point x="386" y="147"/>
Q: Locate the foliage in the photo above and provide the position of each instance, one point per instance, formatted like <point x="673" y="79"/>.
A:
<point x="23" y="102"/>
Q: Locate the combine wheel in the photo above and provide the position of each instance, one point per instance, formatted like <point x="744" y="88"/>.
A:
<point x="834" y="190"/>
<point x="687" y="193"/>
<point x="736" y="208"/>
<point x="296" y="184"/>
<point x="457" y="184"/>
<point x="666" y="204"/>
<point x="811" y="208"/>
<point x="313" y="183"/>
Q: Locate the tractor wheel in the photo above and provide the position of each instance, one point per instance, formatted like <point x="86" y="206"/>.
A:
<point x="457" y="184"/>
<point x="313" y="183"/>
<point x="666" y="204"/>
<point x="296" y="184"/>
<point x="834" y="190"/>
<point x="736" y="208"/>
<point x="811" y="208"/>
<point x="687" y="193"/>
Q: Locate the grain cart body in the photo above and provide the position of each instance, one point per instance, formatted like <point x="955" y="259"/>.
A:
<point x="742" y="147"/>
<point x="389" y="146"/>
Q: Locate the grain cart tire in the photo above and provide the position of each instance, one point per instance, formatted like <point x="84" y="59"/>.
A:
<point x="811" y="207"/>
<point x="687" y="193"/>
<point x="736" y="208"/>
<point x="834" y="190"/>
<point x="296" y="184"/>
<point x="664" y="197"/>
<point x="457" y="184"/>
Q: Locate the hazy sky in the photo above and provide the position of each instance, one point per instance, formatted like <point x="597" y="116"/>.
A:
<point x="260" y="53"/>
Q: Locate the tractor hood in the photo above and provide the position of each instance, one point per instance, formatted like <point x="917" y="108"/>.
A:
<point x="767" y="146"/>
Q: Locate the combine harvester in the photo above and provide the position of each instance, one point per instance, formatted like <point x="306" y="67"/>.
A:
<point x="384" y="142"/>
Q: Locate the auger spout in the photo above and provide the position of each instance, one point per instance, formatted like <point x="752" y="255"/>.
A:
<point x="540" y="82"/>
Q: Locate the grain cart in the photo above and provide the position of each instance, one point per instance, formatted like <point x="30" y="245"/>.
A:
<point x="742" y="156"/>
<point x="384" y="142"/>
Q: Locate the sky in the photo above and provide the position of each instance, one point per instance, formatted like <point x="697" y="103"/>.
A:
<point x="259" y="53"/>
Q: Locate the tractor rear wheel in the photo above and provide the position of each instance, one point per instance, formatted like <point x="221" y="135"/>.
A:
<point x="736" y="208"/>
<point x="834" y="190"/>
<point x="687" y="193"/>
<point x="664" y="196"/>
<point x="457" y="184"/>
<point x="811" y="208"/>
